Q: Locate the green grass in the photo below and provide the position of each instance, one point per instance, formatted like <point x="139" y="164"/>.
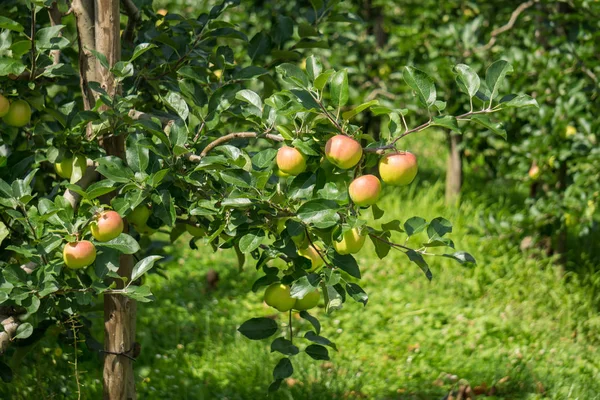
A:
<point x="509" y="322"/>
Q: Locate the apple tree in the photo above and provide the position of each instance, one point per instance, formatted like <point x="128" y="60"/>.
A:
<point x="118" y="123"/>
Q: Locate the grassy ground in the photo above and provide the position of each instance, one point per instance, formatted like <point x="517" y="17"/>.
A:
<point x="507" y="323"/>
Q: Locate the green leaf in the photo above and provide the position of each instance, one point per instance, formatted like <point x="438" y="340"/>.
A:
<point x="143" y="266"/>
<point x="313" y="337"/>
<point x="338" y="88"/>
<point x="304" y="286"/>
<point x="357" y="293"/>
<point x="346" y="263"/>
<point x="414" y="225"/>
<point x="250" y="97"/>
<point x="518" y="101"/>
<point x="305" y="99"/>
<point x="4" y="232"/>
<point x="317" y="352"/>
<point x="334" y="300"/>
<point x="446" y="121"/>
<point x="302" y="186"/>
<point x="139" y="293"/>
<point x="357" y="110"/>
<point x="283" y="369"/>
<point x="113" y="169"/>
<point x="393" y="225"/>
<point x="381" y="248"/>
<point x="258" y="328"/>
<point x="259" y="45"/>
<point x="275" y="385"/>
<point x="123" y="243"/>
<point x="314" y="322"/>
<point x="10" y="66"/>
<point x="292" y="74"/>
<point x="284" y="346"/>
<point x="250" y="241"/>
<point x="47" y="38"/>
<point x="422" y="84"/>
<point x="322" y="79"/>
<point x="468" y="81"/>
<point x="320" y="213"/>
<point x="24" y="331"/>
<point x="264" y="159"/>
<point x="438" y="227"/>
<point x="495" y="74"/>
<point x="313" y="67"/>
<point x="175" y="101"/>
<point x="137" y="156"/>
<point x="237" y="177"/>
<point x="485" y="121"/>
<point x="250" y="72"/>
<point x="462" y="257"/>
<point x="7" y="23"/>
<point x="418" y="259"/>
<point x="141" y="49"/>
<point x="377" y="212"/>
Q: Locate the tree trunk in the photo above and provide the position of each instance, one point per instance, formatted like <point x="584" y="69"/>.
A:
<point x="454" y="171"/>
<point x="561" y="236"/>
<point x="119" y="310"/>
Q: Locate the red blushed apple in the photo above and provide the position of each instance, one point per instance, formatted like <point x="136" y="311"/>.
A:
<point x="290" y="161"/>
<point x="534" y="172"/>
<point x="79" y="254"/>
<point x="364" y="190"/>
<point x="107" y="226"/>
<point x="398" y="169"/>
<point x="343" y="151"/>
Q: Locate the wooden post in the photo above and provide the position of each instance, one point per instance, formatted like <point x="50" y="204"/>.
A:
<point x="454" y="171"/>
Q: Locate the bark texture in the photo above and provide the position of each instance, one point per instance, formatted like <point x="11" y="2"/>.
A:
<point x="454" y="170"/>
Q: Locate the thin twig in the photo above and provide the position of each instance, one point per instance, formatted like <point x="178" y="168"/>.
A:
<point x="290" y="326"/>
<point x="33" y="58"/>
<point x="133" y="17"/>
<point x="229" y="137"/>
<point x="511" y="22"/>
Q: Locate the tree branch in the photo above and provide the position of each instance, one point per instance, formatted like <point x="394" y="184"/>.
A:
<point x="55" y="19"/>
<point x="509" y="25"/>
<point x="86" y="37"/>
<point x="229" y="137"/>
<point x="89" y="176"/>
<point x="133" y="17"/>
<point x="10" y="325"/>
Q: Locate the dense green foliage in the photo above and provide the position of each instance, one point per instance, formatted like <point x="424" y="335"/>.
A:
<point x="299" y="73"/>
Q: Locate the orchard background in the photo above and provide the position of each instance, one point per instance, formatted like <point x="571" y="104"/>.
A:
<point x="172" y="114"/>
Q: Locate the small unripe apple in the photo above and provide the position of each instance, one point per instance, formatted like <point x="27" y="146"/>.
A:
<point x="313" y="255"/>
<point x="107" y="226"/>
<point x="310" y="300"/>
<point x="79" y="254"/>
<point x="534" y="172"/>
<point x="139" y="216"/>
<point x="569" y="132"/>
<point x="351" y="243"/>
<point x="343" y="151"/>
<point x="4" y="106"/>
<point x="364" y="190"/>
<point x="398" y="169"/>
<point x="290" y="160"/>
<point x="19" y="114"/>
<point x="64" y="169"/>
<point x="278" y="296"/>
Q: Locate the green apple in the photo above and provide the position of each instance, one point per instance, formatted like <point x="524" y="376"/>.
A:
<point x="351" y="243"/>
<point x="106" y="226"/>
<point x="64" y="169"/>
<point x="4" y="106"/>
<point x="291" y="161"/>
<point x="310" y="300"/>
<point x="139" y="216"/>
<point x="19" y="114"/>
<point x="365" y="190"/>
<point x="278" y="296"/>
<point x="398" y="169"/>
<point x="79" y="254"/>
<point x="313" y="255"/>
<point x="343" y="151"/>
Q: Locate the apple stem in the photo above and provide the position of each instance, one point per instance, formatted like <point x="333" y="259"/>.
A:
<point x="290" y="326"/>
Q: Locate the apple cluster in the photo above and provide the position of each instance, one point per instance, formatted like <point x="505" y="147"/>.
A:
<point x="278" y="296"/>
<point x="16" y="113"/>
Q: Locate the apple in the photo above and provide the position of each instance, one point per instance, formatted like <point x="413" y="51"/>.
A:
<point x="291" y="161"/>
<point x="568" y="132"/>
<point x="107" y="226"/>
<point x="64" y="169"/>
<point x="364" y="190"/>
<point x="398" y="169"/>
<point x="278" y="296"/>
<point x="4" y="106"/>
<point x="162" y="12"/>
<point x="19" y="114"/>
<point x="534" y="172"/>
<point x="351" y="243"/>
<point x="79" y="254"/>
<point x="310" y="300"/>
<point x="139" y="216"/>
<point x="313" y="255"/>
<point x="343" y="151"/>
